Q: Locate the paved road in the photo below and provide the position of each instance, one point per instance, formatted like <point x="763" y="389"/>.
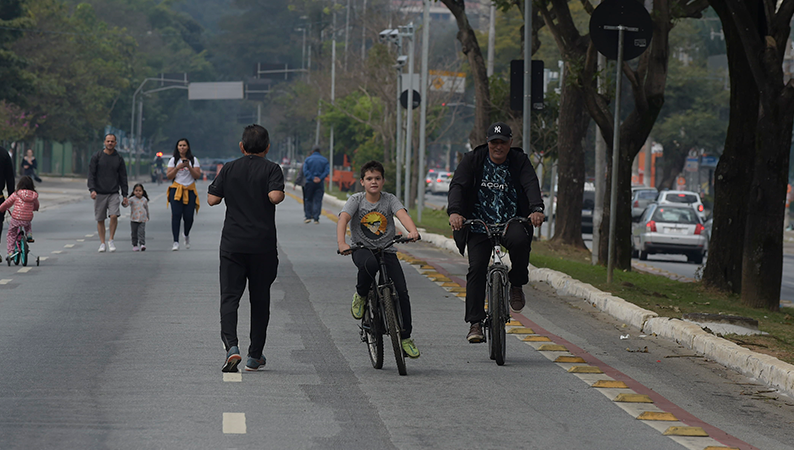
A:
<point x="122" y="351"/>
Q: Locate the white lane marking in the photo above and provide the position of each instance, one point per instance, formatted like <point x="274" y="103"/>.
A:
<point x="5" y="280"/>
<point x="234" y="423"/>
<point x="68" y="246"/>
<point x="43" y="258"/>
<point x="81" y="240"/>
<point x="57" y="251"/>
<point x="231" y="377"/>
<point x="89" y="235"/>
<point x="24" y="270"/>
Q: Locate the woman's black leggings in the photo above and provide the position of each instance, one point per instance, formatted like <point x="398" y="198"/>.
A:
<point x="181" y="211"/>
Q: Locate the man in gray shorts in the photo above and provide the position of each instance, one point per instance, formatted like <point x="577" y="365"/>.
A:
<point x="106" y="174"/>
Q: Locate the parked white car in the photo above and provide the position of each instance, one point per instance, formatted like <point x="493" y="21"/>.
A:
<point x="683" y="198"/>
<point x="669" y="229"/>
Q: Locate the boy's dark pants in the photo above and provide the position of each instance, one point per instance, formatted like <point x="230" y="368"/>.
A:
<point x="368" y="268"/>
<point x="259" y="269"/>
<point x="517" y="240"/>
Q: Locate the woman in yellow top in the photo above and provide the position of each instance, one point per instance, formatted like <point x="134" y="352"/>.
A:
<point x="184" y="169"/>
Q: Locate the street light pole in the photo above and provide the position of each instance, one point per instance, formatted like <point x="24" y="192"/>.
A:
<point x="423" y="109"/>
<point x="527" y="74"/>
<point x="409" y="124"/>
<point x="333" y="88"/>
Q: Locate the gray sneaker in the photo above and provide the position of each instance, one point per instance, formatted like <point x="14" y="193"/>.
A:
<point x="517" y="300"/>
<point x="475" y="335"/>
<point x="254" y="364"/>
<point x="233" y="358"/>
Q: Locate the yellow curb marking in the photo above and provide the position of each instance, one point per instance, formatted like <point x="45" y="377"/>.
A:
<point x="585" y="369"/>
<point x="234" y="423"/>
<point x="609" y="384"/>
<point x="231" y="377"/>
<point x="461" y="294"/>
<point x="542" y="339"/>
<point x="520" y="330"/>
<point x="569" y="359"/>
<point x="552" y="348"/>
<point x="68" y="246"/>
<point x="450" y="284"/>
<point x="633" y="398"/>
<point x="441" y="279"/>
<point x="686" y="431"/>
<point x="6" y="280"/>
<point x="432" y="274"/>
<point x="24" y="270"/>
<point x="427" y="266"/>
<point x="463" y="289"/>
<point x="652" y="415"/>
<point x="512" y="322"/>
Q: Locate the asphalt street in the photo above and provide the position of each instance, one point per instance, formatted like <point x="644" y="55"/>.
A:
<point x="122" y="350"/>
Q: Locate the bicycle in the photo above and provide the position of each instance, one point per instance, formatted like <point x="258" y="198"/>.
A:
<point x="497" y="309"/>
<point x="382" y="313"/>
<point x="21" y="250"/>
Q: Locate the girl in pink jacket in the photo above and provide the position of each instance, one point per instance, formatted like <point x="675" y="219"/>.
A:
<point x="25" y="200"/>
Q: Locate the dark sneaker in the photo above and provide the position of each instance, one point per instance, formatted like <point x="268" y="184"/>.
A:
<point x="357" y="307"/>
<point x="475" y="335"/>
<point x="517" y="300"/>
<point x="30" y="238"/>
<point x="232" y="359"/>
<point x="255" y="364"/>
<point x="409" y="348"/>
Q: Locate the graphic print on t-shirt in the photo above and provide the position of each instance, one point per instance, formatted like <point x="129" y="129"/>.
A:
<point x="497" y="198"/>
<point x="373" y="224"/>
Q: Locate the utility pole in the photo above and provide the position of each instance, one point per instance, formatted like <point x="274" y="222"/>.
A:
<point x="527" y="74"/>
<point x="333" y="88"/>
<point x="423" y="109"/>
<point x="409" y="124"/>
<point x="491" y="39"/>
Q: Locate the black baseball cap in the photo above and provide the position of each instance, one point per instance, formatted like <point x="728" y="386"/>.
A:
<point x="499" y="130"/>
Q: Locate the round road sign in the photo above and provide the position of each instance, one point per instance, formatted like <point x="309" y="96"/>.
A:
<point x="629" y="13"/>
<point x="404" y="99"/>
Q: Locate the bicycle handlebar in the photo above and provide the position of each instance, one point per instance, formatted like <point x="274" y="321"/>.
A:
<point x="398" y="239"/>
<point x="497" y="227"/>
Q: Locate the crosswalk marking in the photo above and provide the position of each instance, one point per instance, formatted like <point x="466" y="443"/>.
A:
<point x="81" y="240"/>
<point x="5" y="280"/>
<point x="24" y="270"/>
<point x="56" y="251"/>
<point x="234" y="423"/>
<point x="231" y="377"/>
<point x="68" y="246"/>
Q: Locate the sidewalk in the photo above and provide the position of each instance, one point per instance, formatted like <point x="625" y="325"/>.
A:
<point x="766" y="369"/>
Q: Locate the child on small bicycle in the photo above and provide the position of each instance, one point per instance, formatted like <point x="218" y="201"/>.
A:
<point x="139" y="215"/>
<point x="24" y="201"/>
<point x="372" y="213"/>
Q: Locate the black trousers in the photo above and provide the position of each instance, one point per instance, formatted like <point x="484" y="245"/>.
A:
<point x="368" y="268"/>
<point x="259" y="270"/>
<point x="180" y="211"/>
<point x="518" y="241"/>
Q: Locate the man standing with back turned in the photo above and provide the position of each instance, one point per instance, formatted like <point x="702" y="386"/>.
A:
<point x="494" y="183"/>
<point x="106" y="174"/>
<point x="252" y="186"/>
<point x="315" y="169"/>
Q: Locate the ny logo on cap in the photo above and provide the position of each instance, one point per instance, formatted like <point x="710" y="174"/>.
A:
<point x="497" y="129"/>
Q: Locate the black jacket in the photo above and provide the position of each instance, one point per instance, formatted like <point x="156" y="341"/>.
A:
<point x="468" y="176"/>
<point x="6" y="173"/>
<point x="107" y="173"/>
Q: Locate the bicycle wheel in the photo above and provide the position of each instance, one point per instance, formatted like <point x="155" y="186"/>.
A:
<point x="393" y="327"/>
<point x="371" y="323"/>
<point x="496" y="326"/>
<point x="24" y="251"/>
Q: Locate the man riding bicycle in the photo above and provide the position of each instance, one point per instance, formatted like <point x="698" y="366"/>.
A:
<point x="494" y="183"/>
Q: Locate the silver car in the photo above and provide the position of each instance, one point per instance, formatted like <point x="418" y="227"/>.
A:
<point x="669" y="229"/>
<point x="641" y="197"/>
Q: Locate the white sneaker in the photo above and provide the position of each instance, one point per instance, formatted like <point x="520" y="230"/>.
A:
<point x="111" y="246"/>
<point x="175" y="247"/>
<point x="187" y="241"/>
<point x="101" y="248"/>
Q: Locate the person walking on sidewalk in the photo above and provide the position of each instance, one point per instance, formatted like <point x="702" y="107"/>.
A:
<point x="6" y="178"/>
<point x="107" y="173"/>
<point x="251" y="187"/>
<point x="139" y="215"/>
<point x="184" y="169"/>
<point x="315" y="169"/>
<point x="494" y="183"/>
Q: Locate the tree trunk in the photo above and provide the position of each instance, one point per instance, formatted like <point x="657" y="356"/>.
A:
<point x="731" y="179"/>
<point x="482" y="93"/>
<point x="573" y="122"/>
<point x="671" y="166"/>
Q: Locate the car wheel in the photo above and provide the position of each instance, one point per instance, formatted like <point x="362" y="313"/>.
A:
<point x="643" y="255"/>
<point x="697" y="258"/>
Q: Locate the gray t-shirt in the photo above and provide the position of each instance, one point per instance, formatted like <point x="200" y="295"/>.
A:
<point x="372" y="224"/>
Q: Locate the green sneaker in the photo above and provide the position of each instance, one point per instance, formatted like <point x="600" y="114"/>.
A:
<point x="409" y="348"/>
<point x="357" y="308"/>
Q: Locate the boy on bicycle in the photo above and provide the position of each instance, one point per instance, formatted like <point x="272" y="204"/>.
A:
<point x="372" y="212"/>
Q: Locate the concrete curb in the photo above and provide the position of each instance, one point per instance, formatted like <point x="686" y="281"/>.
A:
<point x="764" y="368"/>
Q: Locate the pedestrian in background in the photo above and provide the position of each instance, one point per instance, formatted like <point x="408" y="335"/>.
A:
<point x="184" y="169"/>
<point x="24" y="200"/>
<point x="300" y="180"/>
<point x="139" y="215"/>
<point x="29" y="165"/>
<point x="6" y="178"/>
<point x="251" y="187"/>
<point x="315" y="169"/>
<point x="107" y="173"/>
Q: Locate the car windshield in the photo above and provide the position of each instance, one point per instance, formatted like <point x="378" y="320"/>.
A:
<point x="646" y="195"/>
<point x="681" y="198"/>
<point x="675" y="215"/>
